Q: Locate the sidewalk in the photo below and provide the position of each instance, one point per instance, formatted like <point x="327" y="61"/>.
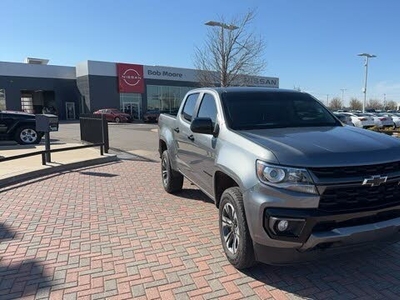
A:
<point x="30" y="167"/>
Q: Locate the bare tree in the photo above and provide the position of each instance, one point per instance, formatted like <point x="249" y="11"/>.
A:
<point x="391" y="105"/>
<point x="374" y="104"/>
<point x="231" y="53"/>
<point x="355" y="104"/>
<point x="335" y="103"/>
<point x="297" y="88"/>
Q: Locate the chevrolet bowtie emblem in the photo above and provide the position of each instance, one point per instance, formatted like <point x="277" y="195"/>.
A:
<point x="375" y="180"/>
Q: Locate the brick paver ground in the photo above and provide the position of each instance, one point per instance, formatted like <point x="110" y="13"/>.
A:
<point x="111" y="232"/>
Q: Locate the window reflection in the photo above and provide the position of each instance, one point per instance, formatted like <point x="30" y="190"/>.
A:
<point x="2" y="99"/>
<point x="165" y="98"/>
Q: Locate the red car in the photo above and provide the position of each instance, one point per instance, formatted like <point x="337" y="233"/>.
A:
<point x="114" y="115"/>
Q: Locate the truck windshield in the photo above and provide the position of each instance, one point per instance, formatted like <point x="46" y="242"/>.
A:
<point x="258" y="110"/>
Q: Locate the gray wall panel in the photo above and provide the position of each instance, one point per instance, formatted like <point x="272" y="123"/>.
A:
<point x="103" y="92"/>
<point x="65" y="90"/>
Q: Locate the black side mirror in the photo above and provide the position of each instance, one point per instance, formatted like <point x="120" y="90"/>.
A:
<point x="202" y="125"/>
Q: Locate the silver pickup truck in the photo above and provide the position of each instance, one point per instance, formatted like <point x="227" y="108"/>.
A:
<point x="291" y="182"/>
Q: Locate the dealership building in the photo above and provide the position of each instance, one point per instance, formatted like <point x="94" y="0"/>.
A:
<point x="35" y="86"/>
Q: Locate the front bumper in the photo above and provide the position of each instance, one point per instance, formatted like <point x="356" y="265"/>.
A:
<point x="321" y="233"/>
<point x="324" y="235"/>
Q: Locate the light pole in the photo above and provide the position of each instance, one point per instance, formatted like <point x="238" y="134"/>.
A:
<point x="343" y="90"/>
<point x="223" y="62"/>
<point x="367" y="57"/>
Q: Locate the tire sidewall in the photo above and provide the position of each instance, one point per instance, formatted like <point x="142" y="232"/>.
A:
<point x="244" y="257"/>
<point x="174" y="180"/>
<point x="165" y="158"/>
<point x="21" y="141"/>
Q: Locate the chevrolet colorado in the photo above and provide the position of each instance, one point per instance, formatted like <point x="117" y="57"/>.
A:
<point x="290" y="180"/>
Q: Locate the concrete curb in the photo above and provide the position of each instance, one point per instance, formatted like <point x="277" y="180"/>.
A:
<point x="57" y="169"/>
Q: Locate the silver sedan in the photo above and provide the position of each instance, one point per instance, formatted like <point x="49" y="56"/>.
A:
<point x="361" y="120"/>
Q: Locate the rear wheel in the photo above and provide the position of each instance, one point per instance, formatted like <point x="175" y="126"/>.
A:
<point x="235" y="236"/>
<point x="27" y="135"/>
<point x="172" y="181"/>
<point x="117" y="120"/>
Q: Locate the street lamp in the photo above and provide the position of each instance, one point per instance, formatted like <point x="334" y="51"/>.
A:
<point x="343" y="90"/>
<point x="367" y="57"/>
<point x="223" y="62"/>
<point x="222" y="25"/>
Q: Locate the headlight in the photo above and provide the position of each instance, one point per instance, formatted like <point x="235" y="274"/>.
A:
<point x="286" y="178"/>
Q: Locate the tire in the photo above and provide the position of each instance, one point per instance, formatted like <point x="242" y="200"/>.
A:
<point x="234" y="233"/>
<point x="172" y="181"/>
<point x="117" y="120"/>
<point x="27" y="135"/>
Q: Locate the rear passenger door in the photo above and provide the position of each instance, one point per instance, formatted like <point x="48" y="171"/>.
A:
<point x="203" y="148"/>
<point x="184" y="136"/>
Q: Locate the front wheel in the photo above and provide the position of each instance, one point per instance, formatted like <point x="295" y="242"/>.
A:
<point x="172" y="181"/>
<point x="27" y="135"/>
<point x="235" y="236"/>
<point x="117" y="120"/>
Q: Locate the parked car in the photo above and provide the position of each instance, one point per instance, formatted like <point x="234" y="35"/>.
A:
<point x="114" y="115"/>
<point x="20" y="127"/>
<point x="151" y="116"/>
<point x="345" y="119"/>
<point x="384" y="119"/>
<point x="361" y="120"/>
<point x="396" y="119"/>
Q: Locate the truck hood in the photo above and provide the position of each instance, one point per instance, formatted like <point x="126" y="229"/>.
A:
<point x="326" y="146"/>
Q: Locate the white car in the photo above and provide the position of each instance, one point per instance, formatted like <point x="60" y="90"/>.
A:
<point x="396" y="119"/>
<point x="384" y="119"/>
<point x="361" y="120"/>
<point x="345" y="119"/>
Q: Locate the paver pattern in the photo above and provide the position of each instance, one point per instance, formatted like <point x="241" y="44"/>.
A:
<point x="111" y="232"/>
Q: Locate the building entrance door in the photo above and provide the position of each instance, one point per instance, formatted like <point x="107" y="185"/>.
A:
<point x="132" y="108"/>
<point x="70" y="110"/>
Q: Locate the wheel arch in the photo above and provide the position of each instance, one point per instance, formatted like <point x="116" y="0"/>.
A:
<point x="222" y="182"/>
<point x="162" y="146"/>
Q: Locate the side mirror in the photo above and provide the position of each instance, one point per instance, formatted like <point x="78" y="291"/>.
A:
<point x="202" y="125"/>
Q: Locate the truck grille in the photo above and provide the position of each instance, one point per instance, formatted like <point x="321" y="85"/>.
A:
<point x="346" y="199"/>
<point x="355" y="171"/>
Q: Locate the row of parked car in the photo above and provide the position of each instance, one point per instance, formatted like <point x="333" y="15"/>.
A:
<point x="370" y="119"/>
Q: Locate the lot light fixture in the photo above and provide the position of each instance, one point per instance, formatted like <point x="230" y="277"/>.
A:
<point x="367" y="57"/>
<point x="222" y="25"/>
<point x="222" y="62"/>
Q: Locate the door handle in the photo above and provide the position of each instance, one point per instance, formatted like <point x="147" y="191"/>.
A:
<point x="176" y="129"/>
<point x="191" y="137"/>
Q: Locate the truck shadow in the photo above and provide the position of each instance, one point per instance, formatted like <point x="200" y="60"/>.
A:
<point x="358" y="275"/>
<point x="20" y="278"/>
<point x="193" y="194"/>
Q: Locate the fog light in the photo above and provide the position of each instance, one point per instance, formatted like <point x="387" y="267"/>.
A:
<point x="283" y="225"/>
<point x="289" y="227"/>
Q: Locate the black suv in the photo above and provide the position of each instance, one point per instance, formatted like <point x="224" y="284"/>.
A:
<point x="19" y="127"/>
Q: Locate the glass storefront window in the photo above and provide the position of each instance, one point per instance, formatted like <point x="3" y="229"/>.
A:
<point x="131" y="103"/>
<point x="165" y="98"/>
<point x="3" y="99"/>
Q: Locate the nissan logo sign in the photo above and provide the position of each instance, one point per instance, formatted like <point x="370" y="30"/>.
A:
<point x="131" y="77"/>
